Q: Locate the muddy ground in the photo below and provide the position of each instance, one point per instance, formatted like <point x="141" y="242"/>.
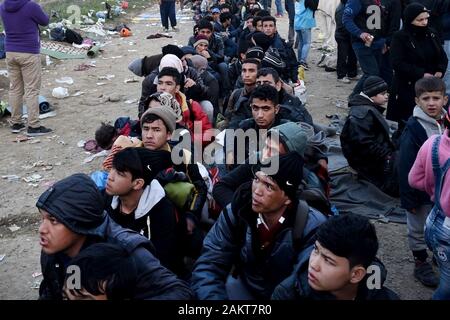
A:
<point x="57" y="155"/>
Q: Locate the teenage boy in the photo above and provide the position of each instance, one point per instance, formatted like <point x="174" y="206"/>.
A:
<point x="338" y="266"/>
<point x="426" y="121"/>
<point x="365" y="138"/>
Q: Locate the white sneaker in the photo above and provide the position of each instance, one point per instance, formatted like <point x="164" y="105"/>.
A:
<point x="344" y="80"/>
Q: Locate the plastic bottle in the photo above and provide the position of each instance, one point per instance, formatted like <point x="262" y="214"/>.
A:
<point x="301" y="73"/>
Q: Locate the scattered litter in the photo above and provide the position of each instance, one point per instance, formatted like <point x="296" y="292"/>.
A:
<point x="340" y="104"/>
<point x="2" y="257"/>
<point x="101" y="83"/>
<point x="36" y="274"/>
<point x="11" y="177"/>
<point x="132" y="50"/>
<point x="114" y="98"/>
<point x="14" y="228"/>
<point x="62" y="142"/>
<point x="103" y="153"/>
<point x="48" y="184"/>
<point x="50" y="114"/>
<point x="81" y="143"/>
<point x="58" y="163"/>
<point x="107" y="77"/>
<point x="48" y="61"/>
<point x="33" y="178"/>
<point x="21" y="138"/>
<point x="60" y="93"/>
<point x="36" y="285"/>
<point x="116" y="57"/>
<point x="130" y="80"/>
<point x="33" y="141"/>
<point x="78" y="93"/>
<point x="131" y="101"/>
<point x="34" y="185"/>
<point x="4" y="73"/>
<point x="65" y="80"/>
<point x="158" y="35"/>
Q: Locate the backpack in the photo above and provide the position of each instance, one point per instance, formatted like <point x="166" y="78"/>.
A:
<point x="312" y="4"/>
<point x="73" y="37"/>
<point x="177" y="187"/>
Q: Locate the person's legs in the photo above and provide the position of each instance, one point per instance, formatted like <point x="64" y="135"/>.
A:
<point x="342" y="54"/>
<point x="172" y="14"/>
<point x="369" y="60"/>
<point x="447" y="73"/>
<point x="290" y="8"/>
<point x="306" y="44"/>
<point x="16" y="87"/>
<point x="31" y="74"/>
<point x="164" y="12"/>
<point x="279" y="7"/>
<point x="352" y="62"/>
<point x="300" y="45"/>
<point x="386" y="71"/>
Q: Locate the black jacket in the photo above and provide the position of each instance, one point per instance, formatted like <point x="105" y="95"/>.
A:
<point x="365" y="138"/>
<point x="215" y="48"/>
<point x="413" y="137"/>
<point x="291" y="108"/>
<point x="233" y="240"/>
<point x="296" y="287"/>
<point x="341" y="33"/>
<point x="412" y="56"/>
<point x="154" y="281"/>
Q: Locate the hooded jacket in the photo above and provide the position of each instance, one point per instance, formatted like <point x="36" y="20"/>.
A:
<point x="296" y="287"/>
<point x="365" y="138"/>
<point x="21" y="20"/>
<point x="77" y="204"/>
<point x="225" y="246"/>
<point x="155" y="218"/>
<point x="413" y="137"/>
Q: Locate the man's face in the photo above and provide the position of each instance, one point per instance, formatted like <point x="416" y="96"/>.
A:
<point x="167" y="84"/>
<point x="259" y="26"/>
<point x="119" y="183"/>
<point x="329" y="272"/>
<point x="381" y="99"/>
<point x="249" y="71"/>
<point x="216" y="16"/>
<point x="55" y="237"/>
<point x="273" y="147"/>
<point x="206" y="32"/>
<point x="268" y="79"/>
<point x="155" y="134"/>
<point x="432" y="103"/>
<point x="224" y="10"/>
<point x="267" y="197"/>
<point x="269" y="28"/>
<point x="264" y="112"/>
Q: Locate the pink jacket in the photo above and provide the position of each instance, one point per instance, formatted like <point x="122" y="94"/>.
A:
<point x="421" y="176"/>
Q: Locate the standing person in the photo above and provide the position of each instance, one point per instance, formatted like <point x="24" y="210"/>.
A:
<point x="303" y="23"/>
<point x="416" y="52"/>
<point x="429" y="174"/>
<point x="167" y="12"/>
<point x="21" y="19"/>
<point x="346" y="67"/>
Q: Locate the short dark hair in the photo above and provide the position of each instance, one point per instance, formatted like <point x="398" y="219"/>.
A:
<point x="350" y="236"/>
<point x="204" y="24"/>
<point x="225" y="16"/>
<point x="127" y="160"/>
<point x="108" y="269"/>
<point x="248" y="16"/>
<point x="171" y="72"/>
<point x="225" y="6"/>
<point x="255" y="20"/>
<point x="263" y="72"/>
<point x="243" y="47"/>
<point x="255" y="11"/>
<point x="429" y="84"/>
<point x="252" y="60"/>
<point x="269" y="18"/>
<point x="151" y="117"/>
<point x="104" y="135"/>
<point x="265" y="92"/>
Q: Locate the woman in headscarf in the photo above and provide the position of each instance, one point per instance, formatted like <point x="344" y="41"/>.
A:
<point x="416" y="52"/>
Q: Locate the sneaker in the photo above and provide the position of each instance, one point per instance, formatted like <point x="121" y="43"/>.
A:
<point x="175" y="29"/>
<point x="304" y="65"/>
<point x="355" y="78"/>
<point x="279" y="15"/>
<point x="39" y="131"/>
<point x="344" y="80"/>
<point x="424" y="272"/>
<point x="17" y="127"/>
<point x="165" y="29"/>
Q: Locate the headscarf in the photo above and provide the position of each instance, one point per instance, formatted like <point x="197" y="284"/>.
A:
<point x="200" y="63"/>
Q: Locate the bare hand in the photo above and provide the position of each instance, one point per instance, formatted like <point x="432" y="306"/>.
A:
<point x="190" y="226"/>
<point x="189" y="83"/>
<point x="427" y="75"/>
<point x="366" y="37"/>
<point x="438" y="74"/>
<point x="206" y="54"/>
<point x="323" y="163"/>
<point x="385" y="49"/>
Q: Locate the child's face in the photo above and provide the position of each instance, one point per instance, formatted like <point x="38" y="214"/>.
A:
<point x="329" y="272"/>
<point x="121" y="183"/>
<point x="432" y="103"/>
<point x="380" y="99"/>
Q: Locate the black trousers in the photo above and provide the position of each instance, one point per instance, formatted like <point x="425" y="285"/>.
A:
<point x="346" y="59"/>
<point x="167" y="11"/>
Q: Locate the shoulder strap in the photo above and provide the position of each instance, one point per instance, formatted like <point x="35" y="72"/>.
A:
<point x="435" y="154"/>
<point x="301" y="218"/>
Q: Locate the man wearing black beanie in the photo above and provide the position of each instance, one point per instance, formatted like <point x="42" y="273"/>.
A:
<point x="262" y="233"/>
<point x="73" y="219"/>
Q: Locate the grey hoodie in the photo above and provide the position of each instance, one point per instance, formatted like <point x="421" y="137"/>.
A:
<point x="431" y="125"/>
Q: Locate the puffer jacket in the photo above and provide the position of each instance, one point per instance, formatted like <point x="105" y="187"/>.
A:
<point x="233" y="241"/>
<point x="154" y="281"/>
<point x="365" y="138"/>
<point x="296" y="287"/>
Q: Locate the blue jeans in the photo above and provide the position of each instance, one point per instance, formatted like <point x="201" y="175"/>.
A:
<point x="369" y="59"/>
<point x="304" y="44"/>
<point x="447" y="73"/>
<point x="279" y="6"/>
<point x="437" y="237"/>
<point x="167" y="11"/>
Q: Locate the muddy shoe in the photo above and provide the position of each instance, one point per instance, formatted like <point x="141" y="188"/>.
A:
<point x="39" y="131"/>
<point x="425" y="274"/>
<point x="17" y="127"/>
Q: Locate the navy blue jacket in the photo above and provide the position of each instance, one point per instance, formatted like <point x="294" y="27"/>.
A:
<point x="413" y="137"/>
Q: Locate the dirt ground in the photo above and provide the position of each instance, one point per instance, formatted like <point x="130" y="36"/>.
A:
<point x="57" y="155"/>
